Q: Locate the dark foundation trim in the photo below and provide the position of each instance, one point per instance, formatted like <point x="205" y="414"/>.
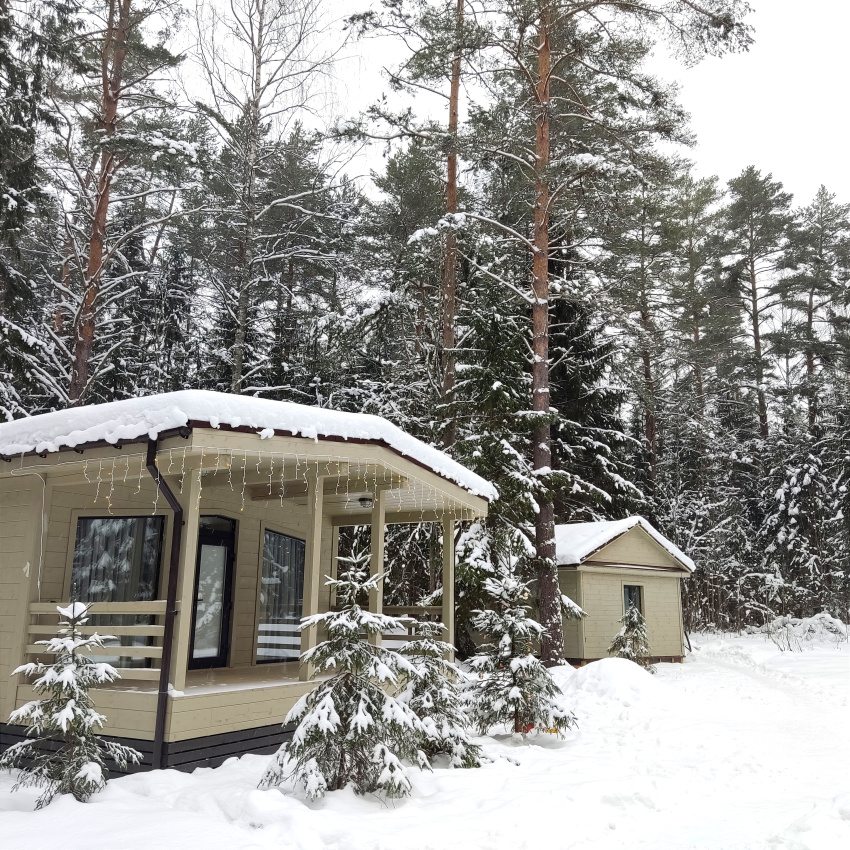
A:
<point x="208" y="751"/>
<point x="653" y="659"/>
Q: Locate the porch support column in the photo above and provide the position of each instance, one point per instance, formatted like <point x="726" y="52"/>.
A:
<point x="449" y="583"/>
<point x="376" y="564"/>
<point x="312" y="563"/>
<point x="186" y="581"/>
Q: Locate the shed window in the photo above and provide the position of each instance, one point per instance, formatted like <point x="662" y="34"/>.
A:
<point x="632" y="595"/>
<point x="117" y="559"/>
<point x="281" y="598"/>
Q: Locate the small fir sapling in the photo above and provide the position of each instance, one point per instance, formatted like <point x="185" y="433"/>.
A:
<point x="63" y="754"/>
<point x="632" y="641"/>
<point x="434" y="695"/>
<point x="350" y="730"/>
<point x="513" y="686"/>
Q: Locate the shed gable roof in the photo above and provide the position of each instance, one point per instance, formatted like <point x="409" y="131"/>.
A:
<point x="575" y="542"/>
<point x="134" y="418"/>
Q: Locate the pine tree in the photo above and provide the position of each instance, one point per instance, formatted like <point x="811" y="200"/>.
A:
<point x="818" y="257"/>
<point x="756" y="221"/>
<point x="514" y="687"/>
<point x="351" y="730"/>
<point x="632" y="641"/>
<point x="64" y="755"/>
<point x="433" y="694"/>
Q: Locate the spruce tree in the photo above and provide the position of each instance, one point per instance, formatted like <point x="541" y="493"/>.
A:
<point x="632" y="641"/>
<point x="63" y="754"/>
<point x="351" y="730"/>
<point x="513" y="687"/>
<point x="433" y="694"/>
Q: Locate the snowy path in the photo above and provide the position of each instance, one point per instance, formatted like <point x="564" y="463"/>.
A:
<point x="741" y="747"/>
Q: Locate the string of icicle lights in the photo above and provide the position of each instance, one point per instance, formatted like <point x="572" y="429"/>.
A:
<point x="282" y="475"/>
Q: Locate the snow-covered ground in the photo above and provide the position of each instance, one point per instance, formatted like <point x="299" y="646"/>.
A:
<point x="742" y="746"/>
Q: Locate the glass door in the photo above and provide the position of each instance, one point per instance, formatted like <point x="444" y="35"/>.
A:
<point x="213" y="593"/>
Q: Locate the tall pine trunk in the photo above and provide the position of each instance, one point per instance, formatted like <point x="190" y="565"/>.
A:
<point x="811" y="392"/>
<point x="450" y="269"/>
<point x="757" y="349"/>
<point x="548" y="591"/>
<point x="113" y="56"/>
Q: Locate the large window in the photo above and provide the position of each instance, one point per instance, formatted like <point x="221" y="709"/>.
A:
<point x="117" y="559"/>
<point x="281" y="598"/>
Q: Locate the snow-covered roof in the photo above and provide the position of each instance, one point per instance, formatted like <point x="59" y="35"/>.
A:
<point x="149" y="416"/>
<point x="577" y="541"/>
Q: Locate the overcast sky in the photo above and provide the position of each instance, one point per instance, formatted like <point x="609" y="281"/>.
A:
<point x="783" y="106"/>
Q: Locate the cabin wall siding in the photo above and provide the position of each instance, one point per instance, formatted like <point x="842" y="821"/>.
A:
<point x="20" y="537"/>
<point x="230" y="711"/>
<point x="570" y="584"/>
<point x="602" y="594"/>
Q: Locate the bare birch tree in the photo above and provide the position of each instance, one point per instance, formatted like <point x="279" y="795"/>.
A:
<point x="264" y="63"/>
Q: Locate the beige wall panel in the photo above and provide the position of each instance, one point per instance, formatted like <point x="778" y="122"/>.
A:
<point x="20" y="534"/>
<point x="603" y="600"/>
<point x="128" y="714"/>
<point x="573" y="631"/>
<point x="635" y="547"/>
<point x="216" y="713"/>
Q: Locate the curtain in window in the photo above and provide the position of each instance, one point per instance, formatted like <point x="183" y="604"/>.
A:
<point x="633" y="596"/>
<point x="116" y="559"/>
<point x="281" y="598"/>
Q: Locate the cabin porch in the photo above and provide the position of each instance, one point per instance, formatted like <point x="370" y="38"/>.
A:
<point x="249" y="512"/>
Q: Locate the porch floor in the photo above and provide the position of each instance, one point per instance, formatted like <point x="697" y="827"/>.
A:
<point x="241" y="678"/>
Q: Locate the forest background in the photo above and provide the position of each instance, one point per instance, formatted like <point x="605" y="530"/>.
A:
<point x="531" y="275"/>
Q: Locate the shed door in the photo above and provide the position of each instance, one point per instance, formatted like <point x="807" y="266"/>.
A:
<point x="213" y="592"/>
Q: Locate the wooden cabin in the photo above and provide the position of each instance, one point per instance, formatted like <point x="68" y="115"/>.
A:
<point x="606" y="566"/>
<point x="201" y="527"/>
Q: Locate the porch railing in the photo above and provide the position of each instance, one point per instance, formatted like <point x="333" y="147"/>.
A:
<point x="410" y="614"/>
<point x="46" y="623"/>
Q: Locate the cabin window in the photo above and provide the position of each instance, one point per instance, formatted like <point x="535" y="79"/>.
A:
<point x="281" y="598"/>
<point x="632" y="595"/>
<point x="117" y="559"/>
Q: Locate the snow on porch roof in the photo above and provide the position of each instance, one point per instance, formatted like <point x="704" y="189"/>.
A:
<point x="576" y="541"/>
<point x="149" y="416"/>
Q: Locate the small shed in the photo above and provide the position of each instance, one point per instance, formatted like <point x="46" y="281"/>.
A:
<point x="201" y="527"/>
<point x="606" y="566"/>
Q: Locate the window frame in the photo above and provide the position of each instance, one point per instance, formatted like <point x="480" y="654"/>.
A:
<point x="88" y="513"/>
<point x="164" y="565"/>
<point x="642" y="590"/>
<point x="223" y="660"/>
